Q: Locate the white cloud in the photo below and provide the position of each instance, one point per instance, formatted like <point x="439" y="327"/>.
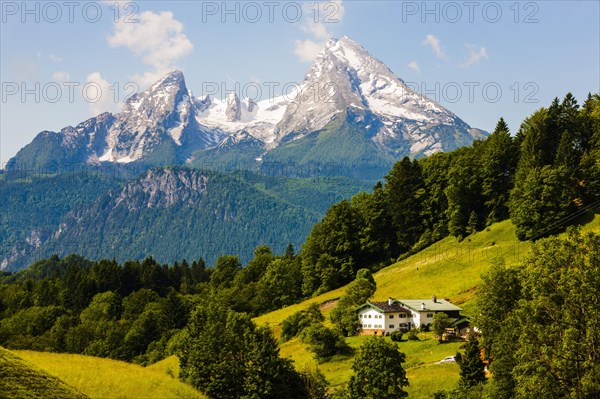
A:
<point x="318" y="18"/>
<point x="318" y="30"/>
<point x="475" y="55"/>
<point x="99" y="95"/>
<point x="158" y="38"/>
<point x="414" y="66"/>
<point x="434" y="43"/>
<point x="307" y="50"/>
<point x="61" y="76"/>
<point x="55" y="58"/>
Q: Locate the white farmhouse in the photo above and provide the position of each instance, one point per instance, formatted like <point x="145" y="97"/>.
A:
<point x="381" y="318"/>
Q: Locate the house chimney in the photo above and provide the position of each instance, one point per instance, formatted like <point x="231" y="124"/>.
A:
<point x="423" y="306"/>
<point x="390" y="301"/>
<point x="434" y="298"/>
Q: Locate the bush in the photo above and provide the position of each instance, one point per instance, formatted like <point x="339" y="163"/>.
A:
<point x="324" y="342"/>
<point x="296" y="323"/>
<point x="396" y="336"/>
<point x="412" y="335"/>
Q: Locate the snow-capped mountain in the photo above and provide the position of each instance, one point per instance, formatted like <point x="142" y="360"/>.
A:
<point x="167" y="124"/>
<point x="346" y="77"/>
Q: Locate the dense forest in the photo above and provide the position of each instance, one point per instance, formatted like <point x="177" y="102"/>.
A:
<point x="543" y="178"/>
<point x="541" y="336"/>
<point x="82" y="212"/>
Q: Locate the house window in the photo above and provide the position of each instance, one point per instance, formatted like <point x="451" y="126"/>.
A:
<point x="429" y="315"/>
<point x="391" y="316"/>
<point x="402" y="316"/>
<point x="369" y="326"/>
<point x="369" y="316"/>
<point x="391" y="326"/>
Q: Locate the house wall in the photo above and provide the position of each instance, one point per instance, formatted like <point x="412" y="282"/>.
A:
<point x="381" y="322"/>
<point x="393" y="321"/>
<point x="371" y="319"/>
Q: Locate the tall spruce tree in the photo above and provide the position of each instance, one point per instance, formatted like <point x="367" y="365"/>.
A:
<point x="499" y="163"/>
<point x="404" y="185"/>
<point x="471" y="366"/>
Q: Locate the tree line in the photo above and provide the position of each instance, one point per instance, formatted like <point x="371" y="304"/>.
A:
<point x="541" y="178"/>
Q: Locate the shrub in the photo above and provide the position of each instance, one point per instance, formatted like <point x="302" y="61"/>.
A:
<point x="412" y="335"/>
<point x="296" y="323"/>
<point x="396" y="336"/>
<point x="324" y="342"/>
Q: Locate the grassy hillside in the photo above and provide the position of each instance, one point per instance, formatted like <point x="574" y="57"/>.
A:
<point x="21" y="380"/>
<point x="105" y="378"/>
<point x="449" y="269"/>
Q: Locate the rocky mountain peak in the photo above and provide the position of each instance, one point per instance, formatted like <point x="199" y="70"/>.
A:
<point x="159" y="98"/>
<point x="234" y="108"/>
<point x="165" y="124"/>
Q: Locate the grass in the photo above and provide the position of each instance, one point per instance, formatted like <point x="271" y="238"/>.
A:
<point x="106" y="378"/>
<point x="419" y="354"/>
<point x="168" y="366"/>
<point x="22" y="380"/>
<point x="449" y="269"/>
<point x="425" y="381"/>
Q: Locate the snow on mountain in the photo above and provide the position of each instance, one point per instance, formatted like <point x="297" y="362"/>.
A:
<point x="345" y="76"/>
<point x="167" y="123"/>
<point x="257" y="118"/>
<point x="164" y="112"/>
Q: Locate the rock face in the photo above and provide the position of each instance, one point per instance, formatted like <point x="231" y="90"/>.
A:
<point x="347" y="79"/>
<point x="161" y="188"/>
<point x="234" y="109"/>
<point x="166" y="125"/>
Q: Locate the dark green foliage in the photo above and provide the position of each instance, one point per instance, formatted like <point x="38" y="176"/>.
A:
<point x="412" y="335"/>
<point x="378" y="371"/>
<point x="315" y="384"/>
<point x="233" y="216"/>
<point x="225" y="271"/>
<point x="497" y="296"/>
<point x="404" y="187"/>
<point x="226" y="355"/>
<point x="544" y="341"/>
<point x="440" y="322"/>
<point x="281" y="284"/>
<point x="499" y="162"/>
<point x="464" y="191"/>
<point x="378" y="237"/>
<point x="296" y="323"/>
<point x="556" y="354"/>
<point x="556" y="169"/>
<point x="331" y="255"/>
<point x="33" y="204"/>
<point x="471" y="365"/>
<point x="396" y="336"/>
<point x="357" y="293"/>
<point x="365" y="274"/>
<point x="541" y="201"/>
<point x="324" y="342"/>
<point x="89" y="307"/>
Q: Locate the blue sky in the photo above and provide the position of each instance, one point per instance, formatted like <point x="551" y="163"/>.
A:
<point x="481" y="60"/>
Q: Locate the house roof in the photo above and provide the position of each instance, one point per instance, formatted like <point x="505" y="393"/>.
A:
<point x="440" y="305"/>
<point x="385" y="307"/>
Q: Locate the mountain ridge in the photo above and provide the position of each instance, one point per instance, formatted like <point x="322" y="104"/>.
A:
<point x="166" y="124"/>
